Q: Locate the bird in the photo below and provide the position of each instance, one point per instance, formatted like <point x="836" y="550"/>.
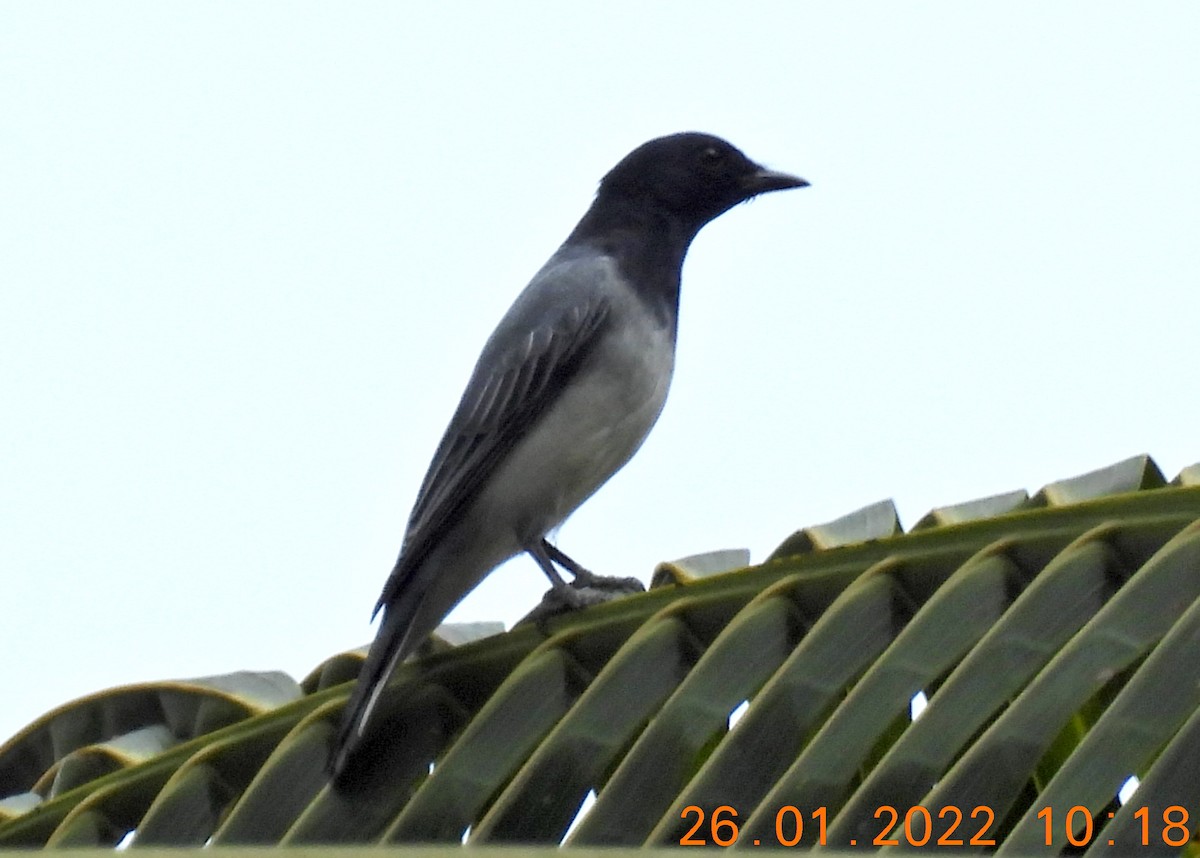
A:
<point x="563" y="394"/>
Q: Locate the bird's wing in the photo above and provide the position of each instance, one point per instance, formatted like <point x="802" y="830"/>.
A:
<point x="515" y="381"/>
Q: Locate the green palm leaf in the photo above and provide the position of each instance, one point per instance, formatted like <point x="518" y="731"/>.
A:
<point x="1054" y="636"/>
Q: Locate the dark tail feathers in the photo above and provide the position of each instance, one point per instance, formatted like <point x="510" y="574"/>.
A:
<point x="391" y="645"/>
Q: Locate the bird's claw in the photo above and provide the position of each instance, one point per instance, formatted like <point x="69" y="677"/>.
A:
<point x="585" y="580"/>
<point x="575" y="598"/>
<point x="586" y="590"/>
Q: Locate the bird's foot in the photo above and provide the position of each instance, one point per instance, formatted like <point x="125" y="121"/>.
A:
<point x="575" y="597"/>
<point x="586" y="590"/>
<point x="547" y="555"/>
<point x="585" y="580"/>
<point x="583" y="592"/>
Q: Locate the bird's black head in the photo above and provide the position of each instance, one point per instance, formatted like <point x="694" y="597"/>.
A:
<point x="694" y="177"/>
<point x="654" y="202"/>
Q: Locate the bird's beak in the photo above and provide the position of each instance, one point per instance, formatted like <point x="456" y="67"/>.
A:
<point x="763" y="180"/>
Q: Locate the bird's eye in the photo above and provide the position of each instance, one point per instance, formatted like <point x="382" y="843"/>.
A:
<point x="711" y="156"/>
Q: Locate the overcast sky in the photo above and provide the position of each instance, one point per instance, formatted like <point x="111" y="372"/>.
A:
<point x="249" y="253"/>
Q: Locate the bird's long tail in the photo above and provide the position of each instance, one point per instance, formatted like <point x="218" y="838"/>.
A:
<point x="392" y="644"/>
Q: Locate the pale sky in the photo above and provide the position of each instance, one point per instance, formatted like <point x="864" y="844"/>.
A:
<point x="249" y="254"/>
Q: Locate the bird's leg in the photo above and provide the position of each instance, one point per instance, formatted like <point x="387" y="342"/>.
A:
<point x="587" y="588"/>
<point x="560" y="591"/>
<point x="542" y="553"/>
<point x="582" y="576"/>
<point x="585" y="578"/>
